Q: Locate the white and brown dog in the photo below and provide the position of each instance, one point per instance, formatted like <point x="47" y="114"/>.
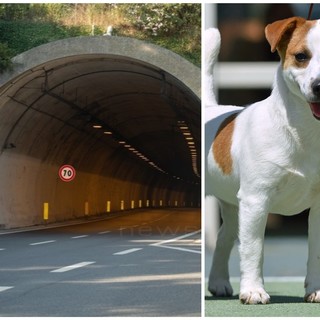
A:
<point x="266" y="158"/>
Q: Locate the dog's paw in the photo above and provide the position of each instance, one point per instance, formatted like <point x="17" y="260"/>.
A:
<point x="312" y="297"/>
<point x="221" y="288"/>
<point x="254" y="296"/>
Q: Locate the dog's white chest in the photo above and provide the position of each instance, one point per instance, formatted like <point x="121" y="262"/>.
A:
<point x="295" y="192"/>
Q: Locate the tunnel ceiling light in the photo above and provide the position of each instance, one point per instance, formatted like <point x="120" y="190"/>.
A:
<point x="186" y="132"/>
<point x="98" y="124"/>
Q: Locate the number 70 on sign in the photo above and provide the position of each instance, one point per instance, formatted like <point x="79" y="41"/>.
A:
<point x="67" y="173"/>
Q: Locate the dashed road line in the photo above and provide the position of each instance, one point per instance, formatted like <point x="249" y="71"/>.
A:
<point x="43" y="242"/>
<point x="73" y="266"/>
<point x="78" y="237"/>
<point x="5" y="288"/>
<point x="120" y="253"/>
<point x="104" y="232"/>
<point x="2" y="249"/>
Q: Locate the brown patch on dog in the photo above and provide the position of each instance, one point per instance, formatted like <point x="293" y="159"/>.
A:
<point x="288" y="37"/>
<point x="222" y="144"/>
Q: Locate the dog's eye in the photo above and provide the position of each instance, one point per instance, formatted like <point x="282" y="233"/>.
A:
<point x="301" y="57"/>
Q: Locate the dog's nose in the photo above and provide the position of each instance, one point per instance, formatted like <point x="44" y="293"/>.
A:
<point x="316" y="87"/>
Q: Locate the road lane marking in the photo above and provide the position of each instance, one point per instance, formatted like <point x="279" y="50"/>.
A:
<point x="73" y="266"/>
<point x="1" y="249"/>
<point x="5" y="288"/>
<point x="78" y="237"/>
<point x="104" y="232"/>
<point x="43" y="242"/>
<point x="120" y="253"/>
<point x="178" y="248"/>
<point x="162" y="244"/>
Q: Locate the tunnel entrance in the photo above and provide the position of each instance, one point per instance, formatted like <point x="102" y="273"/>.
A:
<point x="125" y="114"/>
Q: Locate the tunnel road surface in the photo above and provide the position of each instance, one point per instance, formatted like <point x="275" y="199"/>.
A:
<point x="144" y="263"/>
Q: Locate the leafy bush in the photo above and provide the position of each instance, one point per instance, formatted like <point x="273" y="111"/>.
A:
<point x="5" y="57"/>
<point x="163" y="19"/>
<point x="24" y="35"/>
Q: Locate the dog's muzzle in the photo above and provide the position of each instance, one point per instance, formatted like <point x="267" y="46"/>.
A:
<point x="315" y="106"/>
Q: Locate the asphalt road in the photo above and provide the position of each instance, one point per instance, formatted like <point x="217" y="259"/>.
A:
<point x="146" y="263"/>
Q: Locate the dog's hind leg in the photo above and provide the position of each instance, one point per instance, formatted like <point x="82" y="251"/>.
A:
<point x="219" y="284"/>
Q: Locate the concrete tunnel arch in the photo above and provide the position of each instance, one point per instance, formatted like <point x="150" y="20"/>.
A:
<point x="126" y="114"/>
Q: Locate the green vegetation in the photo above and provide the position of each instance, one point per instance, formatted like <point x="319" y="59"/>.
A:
<point x="176" y="27"/>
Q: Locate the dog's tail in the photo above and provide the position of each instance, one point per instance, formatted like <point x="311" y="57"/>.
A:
<point x="212" y="42"/>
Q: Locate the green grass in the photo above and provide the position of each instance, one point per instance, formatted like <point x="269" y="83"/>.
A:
<point x="286" y="301"/>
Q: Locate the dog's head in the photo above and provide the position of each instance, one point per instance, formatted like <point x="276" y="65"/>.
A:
<point x="298" y="43"/>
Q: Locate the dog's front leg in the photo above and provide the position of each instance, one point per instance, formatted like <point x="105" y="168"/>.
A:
<point x="252" y="223"/>
<point x="312" y="282"/>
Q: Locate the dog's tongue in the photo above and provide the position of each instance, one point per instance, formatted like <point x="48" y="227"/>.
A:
<point x="315" y="108"/>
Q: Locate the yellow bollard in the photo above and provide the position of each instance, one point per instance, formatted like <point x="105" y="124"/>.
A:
<point x="45" y="211"/>
<point x="108" y="206"/>
<point x="86" y="208"/>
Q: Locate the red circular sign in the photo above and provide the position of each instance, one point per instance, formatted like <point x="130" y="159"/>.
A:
<point x="67" y="173"/>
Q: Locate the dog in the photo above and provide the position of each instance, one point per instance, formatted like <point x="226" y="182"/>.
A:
<point x="265" y="158"/>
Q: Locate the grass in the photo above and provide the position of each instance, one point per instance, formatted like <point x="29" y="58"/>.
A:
<point x="286" y="301"/>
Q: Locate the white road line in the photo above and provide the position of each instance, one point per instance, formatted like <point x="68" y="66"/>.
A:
<point x="43" y="242"/>
<point x="5" y="288"/>
<point x="120" y="253"/>
<point x="177" y="248"/>
<point x="73" y="266"/>
<point x="104" y="232"/>
<point x="78" y="237"/>
<point x="2" y="249"/>
<point x="161" y="243"/>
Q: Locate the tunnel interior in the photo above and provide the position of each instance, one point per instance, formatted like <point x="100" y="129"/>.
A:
<point x="130" y="129"/>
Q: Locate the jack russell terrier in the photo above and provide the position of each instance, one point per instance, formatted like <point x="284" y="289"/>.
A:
<point x="266" y="158"/>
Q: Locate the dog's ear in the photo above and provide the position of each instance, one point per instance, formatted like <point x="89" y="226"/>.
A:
<point x="281" y="31"/>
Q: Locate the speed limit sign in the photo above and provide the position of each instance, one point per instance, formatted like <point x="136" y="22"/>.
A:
<point x="67" y="173"/>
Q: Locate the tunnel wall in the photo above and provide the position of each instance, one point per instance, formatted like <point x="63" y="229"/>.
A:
<point x="29" y="184"/>
<point x="108" y="180"/>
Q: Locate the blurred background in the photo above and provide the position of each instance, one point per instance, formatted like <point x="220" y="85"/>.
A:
<point x="244" y="75"/>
